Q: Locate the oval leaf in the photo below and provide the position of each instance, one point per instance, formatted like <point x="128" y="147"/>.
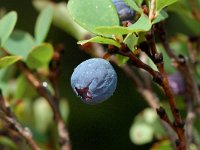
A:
<point x="142" y="24"/>
<point x="8" y="60"/>
<point x="21" y="88"/>
<point x="101" y="40"/>
<point x="62" y="18"/>
<point x="114" y="30"/>
<point x="43" y="24"/>
<point x="40" y="56"/>
<point x="93" y="13"/>
<point x="131" y="41"/>
<point x="19" y="43"/>
<point x="7" y="24"/>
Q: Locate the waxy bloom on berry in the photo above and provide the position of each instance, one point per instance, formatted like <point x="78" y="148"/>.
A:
<point x="94" y="80"/>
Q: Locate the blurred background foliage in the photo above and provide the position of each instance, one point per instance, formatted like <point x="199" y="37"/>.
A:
<point x="107" y="126"/>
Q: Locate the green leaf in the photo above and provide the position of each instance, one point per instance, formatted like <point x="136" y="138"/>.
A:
<point x="19" y="43"/>
<point x="91" y="14"/>
<point x="43" y="24"/>
<point x="8" y="60"/>
<point x="62" y="18"/>
<point x="40" y="56"/>
<point x="8" y="85"/>
<point x="7" y="24"/>
<point x="131" y="41"/>
<point x="21" y="88"/>
<point x="160" y="4"/>
<point x="141" y="133"/>
<point x="133" y="5"/>
<point x="142" y="24"/>
<point x="101" y="40"/>
<point x="114" y="30"/>
<point x="160" y="17"/>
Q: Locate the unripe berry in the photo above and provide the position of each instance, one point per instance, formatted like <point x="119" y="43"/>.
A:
<point x="94" y="80"/>
<point x="124" y="11"/>
<point x="176" y="83"/>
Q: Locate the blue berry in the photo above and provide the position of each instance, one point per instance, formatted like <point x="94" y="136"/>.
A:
<point x="94" y="80"/>
<point x="124" y="11"/>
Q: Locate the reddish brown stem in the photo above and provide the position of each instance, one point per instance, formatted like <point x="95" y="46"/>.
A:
<point x="163" y="115"/>
<point x="185" y="67"/>
<point x="125" y="51"/>
<point x="178" y="123"/>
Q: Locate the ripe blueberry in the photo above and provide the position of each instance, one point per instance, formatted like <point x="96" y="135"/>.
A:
<point x="124" y="11"/>
<point x="94" y="80"/>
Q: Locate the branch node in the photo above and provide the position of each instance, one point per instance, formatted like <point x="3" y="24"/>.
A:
<point x="179" y="125"/>
<point x="112" y="49"/>
<point x="124" y="48"/>
<point x="161" y="112"/>
<point x="158" y="58"/>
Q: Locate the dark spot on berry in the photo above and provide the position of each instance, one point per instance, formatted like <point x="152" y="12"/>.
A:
<point x="83" y="93"/>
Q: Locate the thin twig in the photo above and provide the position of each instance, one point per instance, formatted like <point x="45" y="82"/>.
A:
<point x="192" y="95"/>
<point x="10" y="119"/>
<point x="125" y="51"/>
<point x="183" y="65"/>
<point x="64" y="140"/>
<point x="158" y="60"/>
